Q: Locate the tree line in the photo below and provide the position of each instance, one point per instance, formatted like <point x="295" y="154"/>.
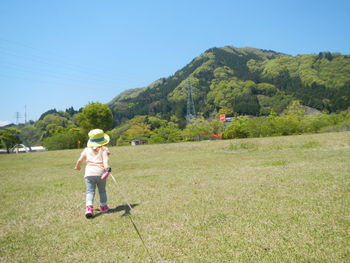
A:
<point x="68" y="129"/>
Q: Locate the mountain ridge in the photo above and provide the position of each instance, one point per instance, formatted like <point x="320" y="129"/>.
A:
<point x="243" y="81"/>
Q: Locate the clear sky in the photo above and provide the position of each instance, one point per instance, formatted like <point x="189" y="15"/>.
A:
<point x="63" y="53"/>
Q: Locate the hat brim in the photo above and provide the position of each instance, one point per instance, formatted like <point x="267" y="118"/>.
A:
<point x="101" y="143"/>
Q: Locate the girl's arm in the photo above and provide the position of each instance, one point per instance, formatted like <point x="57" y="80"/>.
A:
<point x="105" y="156"/>
<point x="79" y="162"/>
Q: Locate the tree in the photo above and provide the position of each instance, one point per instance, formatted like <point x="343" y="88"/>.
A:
<point x="8" y="140"/>
<point x="239" y="128"/>
<point x="52" y="111"/>
<point x="31" y="134"/>
<point x="166" y="134"/>
<point x="71" y="111"/>
<point x="139" y="131"/>
<point x="67" y="139"/>
<point x="156" y="122"/>
<point x="198" y="129"/>
<point x="95" y="116"/>
<point x="52" y="124"/>
<point x="291" y="121"/>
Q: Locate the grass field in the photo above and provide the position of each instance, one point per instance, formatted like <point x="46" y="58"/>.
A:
<point x="283" y="199"/>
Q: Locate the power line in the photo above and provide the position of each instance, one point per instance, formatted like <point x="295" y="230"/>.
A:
<point x="50" y="59"/>
<point x="50" y="68"/>
<point x="55" y="75"/>
<point x="51" y="53"/>
<point x="54" y="81"/>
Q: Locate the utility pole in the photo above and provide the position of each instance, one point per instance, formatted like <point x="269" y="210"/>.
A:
<point x="25" y="114"/>
<point x="191" y="112"/>
<point x="18" y="116"/>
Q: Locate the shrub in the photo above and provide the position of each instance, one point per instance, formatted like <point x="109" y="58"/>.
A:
<point x="67" y="139"/>
<point x="239" y="128"/>
<point x="166" y="134"/>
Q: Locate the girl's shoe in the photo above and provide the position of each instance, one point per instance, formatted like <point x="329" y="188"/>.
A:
<point x="104" y="209"/>
<point x="89" y="212"/>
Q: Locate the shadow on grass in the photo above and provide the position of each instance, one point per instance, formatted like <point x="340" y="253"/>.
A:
<point x="117" y="209"/>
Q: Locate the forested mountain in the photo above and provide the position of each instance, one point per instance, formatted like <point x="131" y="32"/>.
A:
<point x="243" y="81"/>
<point x="272" y="86"/>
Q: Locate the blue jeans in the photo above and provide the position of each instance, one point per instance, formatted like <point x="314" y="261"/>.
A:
<point x="91" y="182"/>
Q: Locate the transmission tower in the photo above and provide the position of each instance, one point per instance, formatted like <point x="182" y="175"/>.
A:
<point x="191" y="112"/>
<point x="18" y="116"/>
<point x="25" y="114"/>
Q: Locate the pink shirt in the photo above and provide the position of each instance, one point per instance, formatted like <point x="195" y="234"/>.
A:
<point x="96" y="160"/>
<point x="98" y="157"/>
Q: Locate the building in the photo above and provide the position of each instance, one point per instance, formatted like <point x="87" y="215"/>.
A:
<point x="138" y="142"/>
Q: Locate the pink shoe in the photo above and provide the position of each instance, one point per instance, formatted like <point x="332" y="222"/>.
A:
<point x="89" y="212"/>
<point x="104" y="209"/>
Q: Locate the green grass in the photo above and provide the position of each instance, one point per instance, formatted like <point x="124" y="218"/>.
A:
<point x="282" y="199"/>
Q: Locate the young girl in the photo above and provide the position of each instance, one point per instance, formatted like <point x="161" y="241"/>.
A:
<point x="96" y="156"/>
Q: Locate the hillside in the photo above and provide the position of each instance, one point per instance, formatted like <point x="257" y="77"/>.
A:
<point x="243" y="81"/>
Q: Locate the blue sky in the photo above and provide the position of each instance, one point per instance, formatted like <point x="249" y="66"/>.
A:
<point x="63" y="53"/>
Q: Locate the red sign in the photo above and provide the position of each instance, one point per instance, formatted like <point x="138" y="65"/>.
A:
<point x="222" y="117"/>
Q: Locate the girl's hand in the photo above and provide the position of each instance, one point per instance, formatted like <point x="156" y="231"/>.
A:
<point x="77" y="168"/>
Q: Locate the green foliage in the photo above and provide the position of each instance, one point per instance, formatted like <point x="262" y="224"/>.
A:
<point x="30" y="133"/>
<point x="276" y="103"/>
<point x="7" y="139"/>
<point x="295" y="110"/>
<point x="156" y="122"/>
<point x="52" y="111"/>
<point x="69" y="113"/>
<point x="198" y="129"/>
<point x="168" y="96"/>
<point x="155" y="129"/>
<point x="53" y="123"/>
<point x="239" y="128"/>
<point x="245" y="81"/>
<point x="53" y="120"/>
<point x="67" y="139"/>
<point x="95" y="116"/>
<point x="292" y="121"/>
<point x="139" y="131"/>
<point x="234" y="94"/>
<point x="233" y="81"/>
<point x="165" y="129"/>
<point x="167" y="134"/>
<point x="118" y="133"/>
<point x="319" y="81"/>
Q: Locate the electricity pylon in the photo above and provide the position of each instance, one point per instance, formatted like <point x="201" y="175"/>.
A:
<point x="191" y="112"/>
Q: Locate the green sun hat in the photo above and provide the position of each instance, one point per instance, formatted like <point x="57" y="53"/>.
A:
<point x="97" y="138"/>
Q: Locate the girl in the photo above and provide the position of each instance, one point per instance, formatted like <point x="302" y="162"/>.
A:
<point x="96" y="156"/>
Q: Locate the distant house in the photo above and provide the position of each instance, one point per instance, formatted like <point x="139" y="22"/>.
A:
<point x="138" y="142"/>
<point x="5" y="124"/>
